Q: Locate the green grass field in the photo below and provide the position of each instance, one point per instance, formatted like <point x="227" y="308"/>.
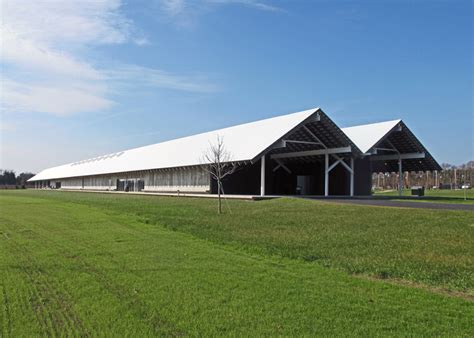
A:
<point x="104" y="264"/>
<point x="436" y="195"/>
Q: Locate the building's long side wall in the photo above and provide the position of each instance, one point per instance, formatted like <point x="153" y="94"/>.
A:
<point x="192" y="179"/>
<point x="71" y="183"/>
<point x="246" y="180"/>
<point x="89" y="182"/>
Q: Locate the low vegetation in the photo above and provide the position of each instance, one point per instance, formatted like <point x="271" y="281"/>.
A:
<point x="462" y="196"/>
<point x="95" y="264"/>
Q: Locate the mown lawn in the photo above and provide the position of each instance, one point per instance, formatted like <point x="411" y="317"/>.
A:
<point x="436" y="195"/>
<point x="432" y="247"/>
<point x="98" y="264"/>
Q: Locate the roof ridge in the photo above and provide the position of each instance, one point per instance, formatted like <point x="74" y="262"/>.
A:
<point x="374" y="123"/>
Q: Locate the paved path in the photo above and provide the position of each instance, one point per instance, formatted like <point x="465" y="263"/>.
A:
<point x="405" y="204"/>
<point x="170" y="194"/>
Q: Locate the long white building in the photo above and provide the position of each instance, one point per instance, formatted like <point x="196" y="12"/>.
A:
<point x="299" y="153"/>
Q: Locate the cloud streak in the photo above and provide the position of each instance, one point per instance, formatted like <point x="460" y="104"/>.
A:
<point x="187" y="12"/>
<point x="45" y="48"/>
<point x="150" y="77"/>
<point x="52" y="99"/>
<point x="249" y="3"/>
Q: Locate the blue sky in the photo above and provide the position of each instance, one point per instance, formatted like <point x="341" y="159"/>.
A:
<point x="84" y="78"/>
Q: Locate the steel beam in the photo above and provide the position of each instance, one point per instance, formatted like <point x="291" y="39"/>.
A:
<point x="326" y="175"/>
<point x="385" y="149"/>
<point x="341" y="160"/>
<point x="313" y="152"/>
<point x="301" y="142"/>
<point x="314" y="136"/>
<point x="280" y="164"/>
<point x="400" y="177"/>
<point x="406" y="156"/>
<point x="332" y="166"/>
<point x="352" y="177"/>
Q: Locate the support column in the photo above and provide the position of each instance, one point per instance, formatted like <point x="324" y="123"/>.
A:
<point x="326" y="174"/>
<point x="400" y="177"/>
<point x="455" y="179"/>
<point x="262" y="176"/>
<point x="352" y="177"/>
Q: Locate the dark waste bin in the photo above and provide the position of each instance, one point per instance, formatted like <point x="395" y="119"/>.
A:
<point x="418" y="191"/>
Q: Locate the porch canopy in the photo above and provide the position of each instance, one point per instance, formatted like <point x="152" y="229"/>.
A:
<point x="392" y="147"/>
<point x="317" y="139"/>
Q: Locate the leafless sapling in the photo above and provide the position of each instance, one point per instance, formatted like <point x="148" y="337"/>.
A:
<point x="217" y="161"/>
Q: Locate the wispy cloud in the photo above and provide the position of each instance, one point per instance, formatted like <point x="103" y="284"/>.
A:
<point x="249" y="3"/>
<point x="7" y="126"/>
<point x="35" y="56"/>
<point x="45" y="57"/>
<point x="174" y="7"/>
<point x="52" y="99"/>
<point x="46" y="48"/>
<point x="48" y="41"/>
<point x="187" y="12"/>
<point x="150" y="77"/>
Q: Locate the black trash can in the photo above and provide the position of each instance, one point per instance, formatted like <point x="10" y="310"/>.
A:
<point x="418" y="191"/>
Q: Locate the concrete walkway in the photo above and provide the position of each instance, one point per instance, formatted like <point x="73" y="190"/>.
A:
<point x="169" y="194"/>
<point x="402" y="204"/>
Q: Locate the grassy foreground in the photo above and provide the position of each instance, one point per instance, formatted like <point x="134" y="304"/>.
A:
<point x="432" y="247"/>
<point x="95" y="264"/>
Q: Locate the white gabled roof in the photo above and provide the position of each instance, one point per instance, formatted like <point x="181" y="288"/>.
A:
<point x="244" y="142"/>
<point x="368" y="135"/>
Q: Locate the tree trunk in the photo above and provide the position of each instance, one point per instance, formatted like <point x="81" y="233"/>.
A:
<point x="219" y="207"/>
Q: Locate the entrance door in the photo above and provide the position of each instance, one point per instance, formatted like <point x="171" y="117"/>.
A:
<point x="304" y="185"/>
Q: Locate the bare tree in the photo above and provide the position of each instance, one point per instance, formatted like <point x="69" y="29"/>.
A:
<point x="217" y="161"/>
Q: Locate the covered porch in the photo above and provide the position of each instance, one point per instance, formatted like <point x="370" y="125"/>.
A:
<point x="315" y="158"/>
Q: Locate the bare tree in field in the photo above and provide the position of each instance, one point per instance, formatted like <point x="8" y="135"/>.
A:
<point x="217" y="161"/>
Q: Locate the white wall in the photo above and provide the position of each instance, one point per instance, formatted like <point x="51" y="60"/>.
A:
<point x="191" y="179"/>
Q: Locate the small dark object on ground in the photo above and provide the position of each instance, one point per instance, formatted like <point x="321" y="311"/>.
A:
<point x="418" y="191"/>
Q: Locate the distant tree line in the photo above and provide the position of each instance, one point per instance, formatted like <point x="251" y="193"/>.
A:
<point x="9" y="179"/>
<point x="451" y="177"/>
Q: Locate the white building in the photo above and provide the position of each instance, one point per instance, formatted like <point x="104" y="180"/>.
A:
<point x="300" y="153"/>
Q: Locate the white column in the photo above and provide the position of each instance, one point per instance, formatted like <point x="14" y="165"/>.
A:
<point x="326" y="174"/>
<point x="262" y="176"/>
<point x="455" y="179"/>
<point x="400" y="177"/>
<point x="352" y="177"/>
